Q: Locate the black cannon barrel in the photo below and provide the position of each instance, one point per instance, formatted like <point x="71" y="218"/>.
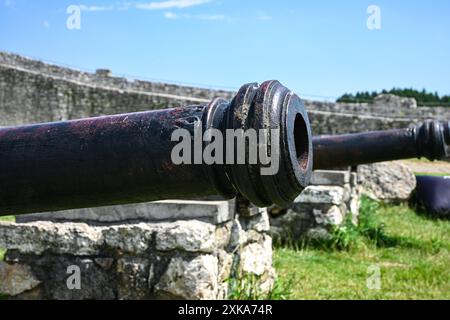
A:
<point x="430" y="140"/>
<point x="126" y="158"/>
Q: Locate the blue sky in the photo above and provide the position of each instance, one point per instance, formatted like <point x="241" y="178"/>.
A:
<point x="320" y="49"/>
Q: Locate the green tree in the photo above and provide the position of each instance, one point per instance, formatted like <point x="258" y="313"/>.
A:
<point x="423" y="97"/>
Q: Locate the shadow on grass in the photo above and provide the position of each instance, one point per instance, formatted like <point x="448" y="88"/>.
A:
<point x="349" y="236"/>
<point x="380" y="239"/>
<point x="374" y="231"/>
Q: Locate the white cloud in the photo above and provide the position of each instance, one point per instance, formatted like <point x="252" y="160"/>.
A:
<point x="96" y="8"/>
<point x="210" y="17"/>
<point x="169" y="4"/>
<point x="9" y="3"/>
<point x="46" y="24"/>
<point x="125" y="5"/>
<point x="170" y="15"/>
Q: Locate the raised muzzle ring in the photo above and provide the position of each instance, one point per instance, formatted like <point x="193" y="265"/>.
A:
<point x="433" y="140"/>
<point x="446" y="126"/>
<point x="281" y="122"/>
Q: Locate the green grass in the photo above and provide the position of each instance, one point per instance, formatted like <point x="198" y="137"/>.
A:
<point x="11" y="219"/>
<point x="412" y="252"/>
<point x="8" y="218"/>
<point x="2" y="251"/>
<point x="432" y="174"/>
<point x="248" y="288"/>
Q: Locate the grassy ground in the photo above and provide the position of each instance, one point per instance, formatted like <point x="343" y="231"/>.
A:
<point x="411" y="251"/>
<point x="432" y="174"/>
<point x="2" y="251"/>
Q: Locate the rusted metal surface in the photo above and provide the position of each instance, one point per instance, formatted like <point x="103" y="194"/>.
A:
<point x="127" y="158"/>
<point x="430" y="140"/>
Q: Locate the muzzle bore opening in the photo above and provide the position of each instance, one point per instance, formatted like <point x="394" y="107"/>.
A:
<point x="301" y="140"/>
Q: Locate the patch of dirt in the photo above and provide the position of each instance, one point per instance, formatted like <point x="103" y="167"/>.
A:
<point x="422" y="166"/>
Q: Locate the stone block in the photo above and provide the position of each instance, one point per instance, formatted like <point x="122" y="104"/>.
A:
<point x="322" y="194"/>
<point x="190" y="278"/>
<point x="191" y="236"/>
<point x="16" y="278"/>
<point x="259" y="223"/>
<point x="215" y="212"/>
<point x="183" y="259"/>
<point x="334" y="216"/>
<point x="37" y="237"/>
<point x="81" y="239"/>
<point x="256" y="258"/>
<point x="133" y="275"/>
<point x="330" y="178"/>
<point x="291" y="226"/>
<point x="387" y="181"/>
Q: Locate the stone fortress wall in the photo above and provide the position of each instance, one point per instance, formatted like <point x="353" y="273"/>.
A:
<point x="33" y="91"/>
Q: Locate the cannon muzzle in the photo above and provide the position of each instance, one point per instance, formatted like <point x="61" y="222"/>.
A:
<point x="129" y="158"/>
<point x="430" y="140"/>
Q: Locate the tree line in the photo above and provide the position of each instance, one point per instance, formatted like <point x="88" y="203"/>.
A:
<point x="423" y="97"/>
